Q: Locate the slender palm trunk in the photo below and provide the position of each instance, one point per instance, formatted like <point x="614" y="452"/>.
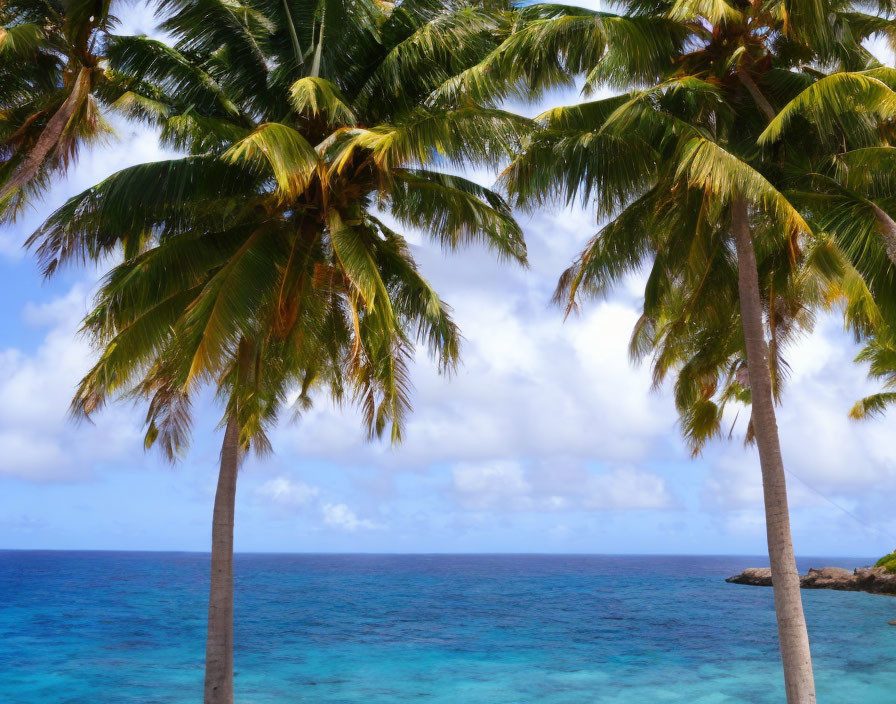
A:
<point x="318" y="52"/>
<point x="793" y="638"/>
<point x="49" y="137"/>
<point x="219" y="644"/>
<point x="888" y="232"/>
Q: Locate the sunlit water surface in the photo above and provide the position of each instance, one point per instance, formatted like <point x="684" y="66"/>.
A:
<point x="129" y="627"/>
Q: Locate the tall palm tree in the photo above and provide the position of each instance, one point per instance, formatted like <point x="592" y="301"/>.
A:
<point x="679" y="164"/>
<point x="262" y="261"/>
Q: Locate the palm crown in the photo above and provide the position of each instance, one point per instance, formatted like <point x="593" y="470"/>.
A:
<point x="53" y="86"/>
<point x="697" y="127"/>
<point x="263" y="260"/>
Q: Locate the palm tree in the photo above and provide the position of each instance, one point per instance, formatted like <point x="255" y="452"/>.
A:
<point x="677" y="163"/>
<point x="51" y="80"/>
<point x="262" y="261"/>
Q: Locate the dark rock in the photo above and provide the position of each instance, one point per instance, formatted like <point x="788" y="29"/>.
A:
<point x="828" y="578"/>
<point x="755" y="576"/>
<point x="874" y="580"/>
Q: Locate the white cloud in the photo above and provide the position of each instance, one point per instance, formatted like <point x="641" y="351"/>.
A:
<point x="626" y="489"/>
<point x="40" y="442"/>
<point x="342" y="517"/>
<point x="286" y="496"/>
<point x="490" y="484"/>
<point x="287" y="493"/>
<point x="559" y="486"/>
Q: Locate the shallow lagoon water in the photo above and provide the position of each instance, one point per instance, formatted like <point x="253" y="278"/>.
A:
<point x="129" y="627"/>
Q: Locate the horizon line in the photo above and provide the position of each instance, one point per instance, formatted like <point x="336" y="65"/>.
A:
<point x="422" y="554"/>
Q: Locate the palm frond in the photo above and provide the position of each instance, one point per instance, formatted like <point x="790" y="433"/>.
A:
<point x="832" y="100"/>
<point x="455" y="212"/>
<point x="292" y="161"/>
<point x="318" y="97"/>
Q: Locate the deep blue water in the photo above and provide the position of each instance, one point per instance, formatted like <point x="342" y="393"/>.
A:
<point x="129" y="627"/>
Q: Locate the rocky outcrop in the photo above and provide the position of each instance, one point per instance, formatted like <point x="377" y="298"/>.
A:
<point x="874" y="580"/>
<point x="828" y="578"/>
<point x="754" y="576"/>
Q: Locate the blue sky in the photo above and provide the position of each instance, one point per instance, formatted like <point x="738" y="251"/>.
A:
<point x="546" y="440"/>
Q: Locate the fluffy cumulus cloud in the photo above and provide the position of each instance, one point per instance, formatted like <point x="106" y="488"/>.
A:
<point x="40" y="442"/>
<point x="342" y="517"/>
<point x="558" y="486"/>
<point x="545" y="417"/>
<point x="287" y="493"/>
<point x="287" y="497"/>
<point x="839" y="470"/>
<point x="491" y="484"/>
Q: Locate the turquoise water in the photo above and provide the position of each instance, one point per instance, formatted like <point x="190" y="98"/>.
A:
<point x="129" y="627"/>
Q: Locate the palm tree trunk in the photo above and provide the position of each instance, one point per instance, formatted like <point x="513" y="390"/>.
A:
<point x="318" y="52"/>
<point x="49" y="137"/>
<point x="888" y="232"/>
<point x="793" y="638"/>
<point x="219" y="644"/>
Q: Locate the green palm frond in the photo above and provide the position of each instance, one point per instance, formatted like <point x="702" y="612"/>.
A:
<point x="423" y="137"/>
<point x="871" y="406"/>
<point x="20" y="40"/>
<point x="141" y="107"/>
<point x="356" y="250"/>
<point x="318" y="97"/>
<point x="713" y="11"/>
<point x="199" y="134"/>
<point x="707" y="165"/>
<point x="415" y="300"/>
<point x="169" y="418"/>
<point x="455" y="212"/>
<point x="256" y="265"/>
<point x="621" y="247"/>
<point x="831" y="101"/>
<point x="588" y="116"/>
<point x="128" y="207"/>
<point x="870" y="170"/>
<point x="292" y="161"/>
<point x="223" y="312"/>
<point x="155" y="62"/>
<point x="429" y="56"/>
<point x="601" y="168"/>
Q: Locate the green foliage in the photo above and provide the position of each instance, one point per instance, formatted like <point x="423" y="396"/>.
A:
<point x="880" y="354"/>
<point x="888" y="562"/>
<point x="776" y="104"/>
<point x="53" y="91"/>
<point x="285" y="151"/>
<point x="841" y="102"/>
<point x="318" y="97"/>
<point x="259" y="264"/>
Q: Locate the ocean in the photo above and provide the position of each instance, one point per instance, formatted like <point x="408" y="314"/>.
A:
<point x="129" y="627"/>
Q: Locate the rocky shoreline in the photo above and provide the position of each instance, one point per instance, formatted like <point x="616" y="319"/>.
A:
<point x="874" y="580"/>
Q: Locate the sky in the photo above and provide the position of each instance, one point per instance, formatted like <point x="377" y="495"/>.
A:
<point x="547" y="439"/>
